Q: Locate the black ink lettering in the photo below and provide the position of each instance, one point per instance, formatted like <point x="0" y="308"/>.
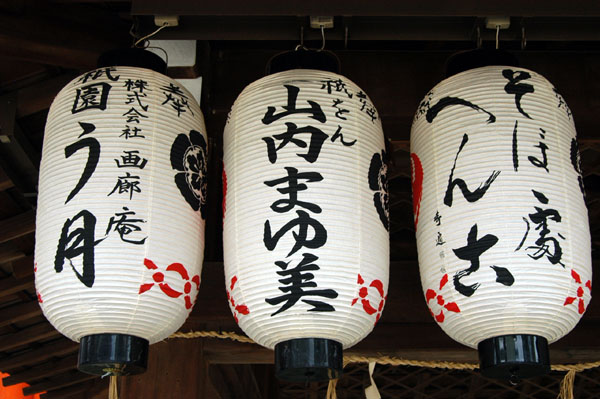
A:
<point x="290" y="108"/>
<point x="471" y="252"/>
<point x="433" y="112"/>
<point x="317" y="138"/>
<point x="303" y="221"/>
<point x="518" y="89"/>
<point x="292" y="189"/>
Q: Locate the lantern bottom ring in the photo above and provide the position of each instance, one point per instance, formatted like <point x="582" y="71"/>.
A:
<point x="308" y="360"/>
<point x="113" y="354"/>
<point x="514" y="357"/>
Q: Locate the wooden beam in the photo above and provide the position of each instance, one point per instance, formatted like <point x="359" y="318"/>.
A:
<point x="9" y="253"/>
<point x="42" y="371"/>
<point x="71" y="37"/>
<point x="38" y="332"/>
<point x="20" y="312"/>
<point x="69" y="392"/>
<point x="61" y="347"/>
<point x="22" y="267"/>
<point x="60" y="381"/>
<point x="10" y="285"/>
<point x="371" y="8"/>
<point x="5" y="181"/>
<point x="17" y="226"/>
<point x="39" y="96"/>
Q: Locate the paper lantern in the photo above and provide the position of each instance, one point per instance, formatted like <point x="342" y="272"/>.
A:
<point x="306" y="245"/>
<point x="120" y="217"/>
<point x="501" y="224"/>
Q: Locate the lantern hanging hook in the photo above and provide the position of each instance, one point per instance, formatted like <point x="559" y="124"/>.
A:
<point x="301" y="46"/>
<point x="497" y="36"/>
<point x="164" y="25"/>
<point x="478" y="37"/>
<point x="523" y="38"/>
<point x="322" y="38"/>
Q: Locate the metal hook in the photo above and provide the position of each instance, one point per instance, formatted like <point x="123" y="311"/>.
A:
<point x="346" y="37"/>
<point x="523" y="38"/>
<point x="497" y="36"/>
<point x="301" y="45"/>
<point x="478" y="37"/>
<point x="323" y="38"/>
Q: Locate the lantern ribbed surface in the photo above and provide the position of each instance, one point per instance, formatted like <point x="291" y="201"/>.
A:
<point x="120" y="231"/>
<point x="306" y="245"/>
<point x="501" y="223"/>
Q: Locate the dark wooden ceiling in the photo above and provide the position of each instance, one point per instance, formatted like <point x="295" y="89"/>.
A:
<point x="396" y="52"/>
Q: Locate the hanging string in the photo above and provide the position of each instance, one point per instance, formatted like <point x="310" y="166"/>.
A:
<point x="113" y="392"/>
<point x="331" y="393"/>
<point x="566" y="386"/>
<point x="322" y="38"/>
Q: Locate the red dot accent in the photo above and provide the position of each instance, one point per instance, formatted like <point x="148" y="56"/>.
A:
<point x="158" y="277"/>
<point x="187" y="288"/>
<point x="580" y="292"/>
<point x="364" y="291"/>
<point x="440" y="300"/>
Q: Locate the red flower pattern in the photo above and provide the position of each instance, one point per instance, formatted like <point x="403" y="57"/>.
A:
<point x="39" y="296"/>
<point x="363" y="292"/>
<point x="441" y="302"/>
<point x="580" y="291"/>
<point x="159" y="278"/>
<point x="241" y="309"/>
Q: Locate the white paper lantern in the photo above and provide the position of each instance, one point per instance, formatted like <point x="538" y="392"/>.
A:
<point x="306" y="245"/>
<point x="120" y="229"/>
<point x="501" y="224"/>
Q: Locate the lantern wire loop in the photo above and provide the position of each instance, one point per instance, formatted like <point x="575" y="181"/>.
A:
<point x="301" y="46"/>
<point x="164" y="25"/>
<point x="497" y="36"/>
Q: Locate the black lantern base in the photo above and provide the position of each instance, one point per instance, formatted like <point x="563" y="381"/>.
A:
<point x="481" y="57"/>
<point x="513" y="357"/>
<point x="303" y="59"/>
<point x="308" y="360"/>
<point x="113" y="354"/>
<point x="133" y="57"/>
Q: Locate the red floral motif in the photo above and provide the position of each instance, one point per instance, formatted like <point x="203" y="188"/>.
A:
<point x="159" y="278"/>
<point x="224" y="204"/>
<point x="39" y="297"/>
<point x="417" y="185"/>
<point x="241" y="309"/>
<point x="580" y="292"/>
<point x="364" y="292"/>
<point x="449" y="306"/>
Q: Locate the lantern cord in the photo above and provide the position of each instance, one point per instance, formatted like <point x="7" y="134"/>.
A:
<point x="113" y="392"/>
<point x="566" y="386"/>
<point x="331" y="393"/>
<point x="164" y="25"/>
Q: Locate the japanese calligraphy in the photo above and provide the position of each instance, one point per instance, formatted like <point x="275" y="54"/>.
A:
<point x="93" y="147"/>
<point x="518" y="89"/>
<point x="124" y="226"/>
<point x="91" y="96"/>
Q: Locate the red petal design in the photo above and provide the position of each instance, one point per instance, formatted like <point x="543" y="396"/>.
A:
<point x="377" y="318"/>
<point x="381" y="305"/>
<point x="158" y="277"/>
<point x="363" y="292"/>
<point x="149" y="264"/>
<point x="378" y="285"/>
<point x="589" y="285"/>
<point x="443" y="281"/>
<point x="354" y="301"/>
<point x="188" y="303"/>
<point x="179" y="268"/>
<point x="145" y="287"/>
<point x="569" y="300"/>
<point x="440" y="318"/>
<point x="39" y="298"/>
<point x="580" y="292"/>
<point x="453" y="307"/>
<point x="235" y="317"/>
<point x="581" y="306"/>
<point x="367" y="307"/>
<point x="169" y="291"/>
<point x="430" y="294"/>
<point x="196" y="280"/>
<point x="233" y="281"/>
<point x="575" y="276"/>
<point x="440" y="300"/>
<point x="243" y="309"/>
<point x="360" y="279"/>
<point x="187" y="287"/>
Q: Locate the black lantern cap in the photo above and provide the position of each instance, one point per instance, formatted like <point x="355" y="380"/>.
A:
<point x="513" y="357"/>
<point x="303" y="59"/>
<point x="308" y="360"/>
<point x="470" y="59"/>
<point x="133" y="57"/>
<point x="113" y="354"/>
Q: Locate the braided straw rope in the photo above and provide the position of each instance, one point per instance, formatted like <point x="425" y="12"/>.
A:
<point x="566" y="386"/>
